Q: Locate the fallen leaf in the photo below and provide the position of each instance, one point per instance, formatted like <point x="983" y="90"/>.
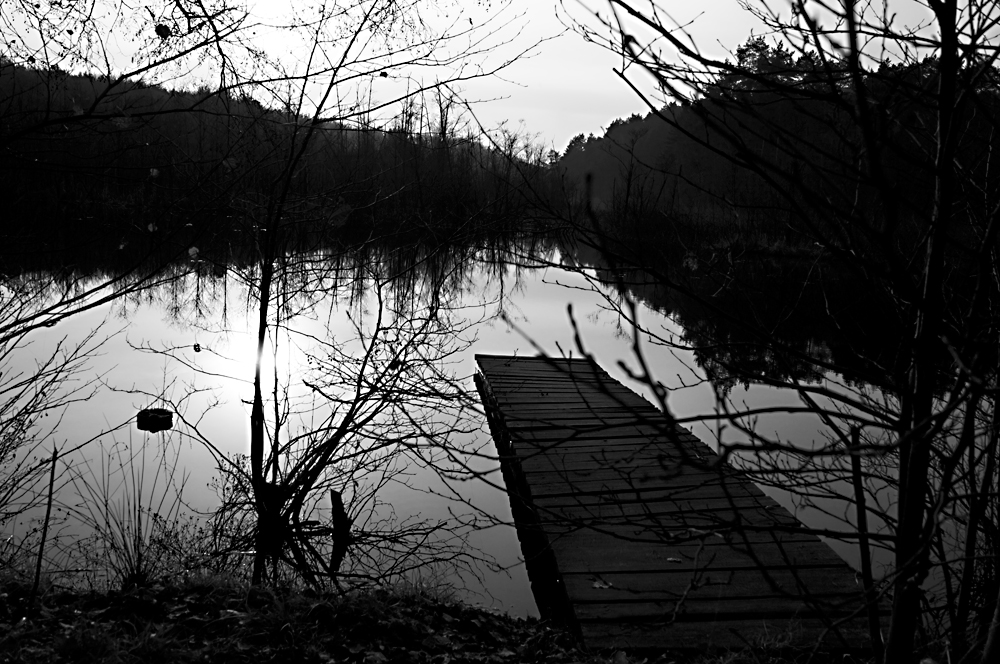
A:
<point x="601" y="583"/>
<point x="436" y="641"/>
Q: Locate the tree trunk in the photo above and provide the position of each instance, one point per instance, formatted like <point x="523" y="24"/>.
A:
<point x="991" y="653"/>
<point x="265" y="534"/>
<point x="978" y="504"/>
<point x="871" y="597"/>
<point x="912" y="552"/>
<point x="341" y="523"/>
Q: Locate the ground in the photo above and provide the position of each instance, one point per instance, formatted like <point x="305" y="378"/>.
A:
<point x="223" y="623"/>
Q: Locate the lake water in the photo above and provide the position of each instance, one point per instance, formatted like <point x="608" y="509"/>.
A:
<point x="218" y="379"/>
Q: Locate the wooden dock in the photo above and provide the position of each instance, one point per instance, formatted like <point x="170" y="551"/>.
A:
<point x="634" y="537"/>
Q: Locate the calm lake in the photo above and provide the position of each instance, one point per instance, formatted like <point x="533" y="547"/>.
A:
<point x="192" y="341"/>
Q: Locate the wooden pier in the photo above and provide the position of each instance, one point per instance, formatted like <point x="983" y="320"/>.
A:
<point x="634" y="537"/>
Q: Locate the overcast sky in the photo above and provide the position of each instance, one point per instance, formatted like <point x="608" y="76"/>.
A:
<point x="568" y="87"/>
<point x="563" y="87"/>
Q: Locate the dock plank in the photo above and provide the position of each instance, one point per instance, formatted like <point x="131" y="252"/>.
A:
<point x="706" y="584"/>
<point x="636" y="535"/>
<point x="594" y="551"/>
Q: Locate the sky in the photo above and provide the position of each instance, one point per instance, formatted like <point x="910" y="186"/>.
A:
<point x="563" y="86"/>
<point x="560" y="87"/>
<point x="567" y="86"/>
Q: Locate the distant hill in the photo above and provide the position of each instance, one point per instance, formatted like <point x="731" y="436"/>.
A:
<point x="93" y="135"/>
<point x="93" y="163"/>
<point x="646" y="161"/>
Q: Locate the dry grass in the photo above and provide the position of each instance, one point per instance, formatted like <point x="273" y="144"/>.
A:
<point x="218" y="620"/>
<point x="222" y="622"/>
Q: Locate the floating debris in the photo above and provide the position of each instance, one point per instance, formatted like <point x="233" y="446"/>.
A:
<point x="154" y="420"/>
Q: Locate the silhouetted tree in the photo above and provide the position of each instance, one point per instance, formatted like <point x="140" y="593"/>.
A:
<point x="262" y="147"/>
<point x="877" y="161"/>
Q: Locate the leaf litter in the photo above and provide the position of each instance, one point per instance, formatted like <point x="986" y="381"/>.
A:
<point x="230" y="623"/>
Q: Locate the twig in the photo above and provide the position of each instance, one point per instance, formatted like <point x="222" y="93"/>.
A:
<point x="45" y="527"/>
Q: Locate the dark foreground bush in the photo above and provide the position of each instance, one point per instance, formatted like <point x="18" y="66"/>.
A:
<point x="223" y="622"/>
<point x="226" y="622"/>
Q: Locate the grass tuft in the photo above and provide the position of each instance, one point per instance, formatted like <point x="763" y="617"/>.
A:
<point x="224" y="622"/>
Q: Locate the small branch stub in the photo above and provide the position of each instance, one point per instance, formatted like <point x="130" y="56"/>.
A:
<point x="154" y="420"/>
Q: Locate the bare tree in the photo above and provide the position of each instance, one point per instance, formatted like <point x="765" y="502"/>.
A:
<point x="867" y="143"/>
<point x="35" y="391"/>
<point x="349" y="49"/>
<point x="250" y="142"/>
<point x="47" y="113"/>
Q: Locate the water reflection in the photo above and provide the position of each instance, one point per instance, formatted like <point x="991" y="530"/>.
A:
<point x="191" y="341"/>
<point x="808" y="369"/>
<point x="788" y="357"/>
